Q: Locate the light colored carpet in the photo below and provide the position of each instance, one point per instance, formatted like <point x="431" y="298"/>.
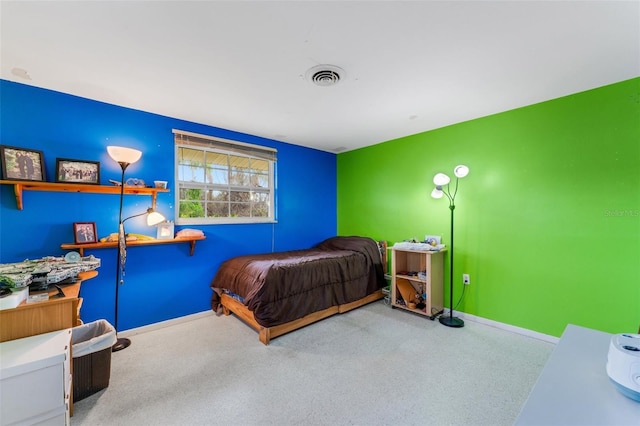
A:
<point x="371" y="366"/>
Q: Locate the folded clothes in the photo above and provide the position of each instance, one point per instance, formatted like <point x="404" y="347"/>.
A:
<point x="417" y="246"/>
<point x="187" y="232"/>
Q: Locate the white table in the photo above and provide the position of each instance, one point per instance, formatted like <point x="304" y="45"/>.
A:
<point x="574" y="388"/>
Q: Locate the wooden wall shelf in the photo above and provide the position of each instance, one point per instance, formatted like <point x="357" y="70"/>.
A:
<point x="82" y="247"/>
<point x="25" y="185"/>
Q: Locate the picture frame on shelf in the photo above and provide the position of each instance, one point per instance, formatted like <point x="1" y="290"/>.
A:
<point x="85" y="232"/>
<point x="77" y="171"/>
<point x="22" y="163"/>
<point x="165" y="231"/>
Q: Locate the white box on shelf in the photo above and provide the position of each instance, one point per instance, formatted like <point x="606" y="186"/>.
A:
<point x="14" y="299"/>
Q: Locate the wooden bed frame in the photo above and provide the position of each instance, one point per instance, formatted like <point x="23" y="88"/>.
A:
<point x="265" y="334"/>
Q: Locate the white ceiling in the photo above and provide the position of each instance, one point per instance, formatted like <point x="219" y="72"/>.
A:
<point x="410" y="66"/>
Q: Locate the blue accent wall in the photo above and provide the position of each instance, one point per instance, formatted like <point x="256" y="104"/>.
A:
<point x="161" y="282"/>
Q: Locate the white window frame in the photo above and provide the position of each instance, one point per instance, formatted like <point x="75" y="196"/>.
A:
<point x="183" y="139"/>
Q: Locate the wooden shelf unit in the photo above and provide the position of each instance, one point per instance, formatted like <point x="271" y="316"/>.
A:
<point x="82" y="247"/>
<point x="431" y="284"/>
<point x="25" y="185"/>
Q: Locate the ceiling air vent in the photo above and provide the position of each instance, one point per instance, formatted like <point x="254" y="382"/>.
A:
<point x="325" y="75"/>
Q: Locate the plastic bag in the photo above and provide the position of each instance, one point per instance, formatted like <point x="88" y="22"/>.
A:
<point x="92" y="337"/>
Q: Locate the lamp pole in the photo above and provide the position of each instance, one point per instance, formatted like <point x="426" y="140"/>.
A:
<point x="123" y="156"/>
<point x="440" y="180"/>
<point x="122" y="342"/>
<point x="451" y="321"/>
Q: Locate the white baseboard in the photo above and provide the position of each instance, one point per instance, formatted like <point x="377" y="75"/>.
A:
<point x="507" y="327"/>
<point x="462" y="315"/>
<point x="163" y="324"/>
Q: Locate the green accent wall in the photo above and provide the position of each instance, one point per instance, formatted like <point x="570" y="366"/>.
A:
<point x="547" y="222"/>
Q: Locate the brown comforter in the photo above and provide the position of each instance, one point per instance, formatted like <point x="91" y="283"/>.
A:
<point x="285" y="286"/>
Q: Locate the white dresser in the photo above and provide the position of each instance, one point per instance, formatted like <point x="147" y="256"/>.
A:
<point x="35" y="379"/>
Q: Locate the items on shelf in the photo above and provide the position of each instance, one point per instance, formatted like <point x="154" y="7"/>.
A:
<point x="48" y="270"/>
<point x="188" y="232"/>
<point x="419" y="246"/>
<point x="153" y="241"/>
<point x="14" y="298"/>
<point x="21" y="186"/>
<point x="135" y="182"/>
<point x="165" y="230"/>
<point x="113" y="237"/>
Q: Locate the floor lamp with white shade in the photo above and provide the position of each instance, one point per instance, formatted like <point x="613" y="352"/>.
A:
<point x="442" y="182"/>
<point x="125" y="157"/>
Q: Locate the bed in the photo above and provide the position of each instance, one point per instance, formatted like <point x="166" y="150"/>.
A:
<point x="280" y="292"/>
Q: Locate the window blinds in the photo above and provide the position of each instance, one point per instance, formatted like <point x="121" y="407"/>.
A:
<point x="193" y="139"/>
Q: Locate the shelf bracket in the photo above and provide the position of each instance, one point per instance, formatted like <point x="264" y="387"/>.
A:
<point x="17" y="188"/>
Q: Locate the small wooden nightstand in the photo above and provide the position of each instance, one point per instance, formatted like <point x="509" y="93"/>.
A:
<point x="416" y="272"/>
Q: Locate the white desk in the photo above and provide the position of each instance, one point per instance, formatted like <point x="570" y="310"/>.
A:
<point x="574" y="389"/>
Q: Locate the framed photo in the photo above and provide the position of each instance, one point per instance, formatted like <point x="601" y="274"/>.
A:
<point x="165" y="231"/>
<point x="22" y="163"/>
<point x="77" y="171"/>
<point x="85" y="232"/>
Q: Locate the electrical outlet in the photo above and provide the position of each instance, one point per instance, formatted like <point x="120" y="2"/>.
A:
<point x="465" y="279"/>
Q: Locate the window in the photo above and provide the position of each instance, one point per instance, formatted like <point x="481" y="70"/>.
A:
<point x="222" y="181"/>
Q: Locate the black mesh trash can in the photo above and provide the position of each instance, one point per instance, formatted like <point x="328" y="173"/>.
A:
<point x="91" y="350"/>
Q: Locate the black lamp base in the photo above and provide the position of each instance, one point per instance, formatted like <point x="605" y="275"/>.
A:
<point x="121" y="344"/>
<point x="451" y="321"/>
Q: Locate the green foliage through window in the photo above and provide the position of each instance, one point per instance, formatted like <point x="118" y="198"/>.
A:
<point x="222" y="181"/>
